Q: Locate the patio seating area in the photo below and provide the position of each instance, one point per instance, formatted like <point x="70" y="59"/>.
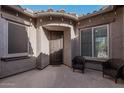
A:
<point x="112" y="67"/>
<point x="60" y="77"/>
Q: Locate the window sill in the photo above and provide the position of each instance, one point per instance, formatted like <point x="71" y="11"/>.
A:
<point x="95" y="59"/>
<point x="14" y="58"/>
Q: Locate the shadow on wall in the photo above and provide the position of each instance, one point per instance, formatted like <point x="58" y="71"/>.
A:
<point x="19" y="42"/>
<point x="75" y="43"/>
<point x="43" y="55"/>
<point x="42" y="61"/>
<point x="45" y="58"/>
<point x="56" y="58"/>
<point x="18" y="39"/>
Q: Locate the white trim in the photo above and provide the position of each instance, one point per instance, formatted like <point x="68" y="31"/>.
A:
<point x="5" y="38"/>
<point x="107" y="36"/>
<point x="108" y="40"/>
<point x="108" y="32"/>
<point x="80" y="41"/>
<point x="99" y="26"/>
<point x="92" y="42"/>
<point x="6" y="55"/>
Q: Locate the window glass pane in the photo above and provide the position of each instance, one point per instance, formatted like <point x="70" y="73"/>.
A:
<point x="100" y="42"/>
<point x="17" y="39"/>
<point x="86" y="42"/>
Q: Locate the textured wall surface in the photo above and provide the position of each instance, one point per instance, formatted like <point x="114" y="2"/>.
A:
<point x="43" y="39"/>
<point x="16" y="66"/>
<point x="114" y="21"/>
<point x="39" y="38"/>
<point x="116" y="41"/>
<point x="42" y="48"/>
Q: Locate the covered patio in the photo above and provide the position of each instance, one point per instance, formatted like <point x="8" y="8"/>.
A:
<point x="60" y="77"/>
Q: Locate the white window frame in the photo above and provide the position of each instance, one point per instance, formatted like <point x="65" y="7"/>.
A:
<point x="92" y="28"/>
<point x="6" y="54"/>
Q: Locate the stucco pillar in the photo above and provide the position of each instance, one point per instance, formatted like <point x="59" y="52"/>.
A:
<point x="67" y="48"/>
<point x="42" y="48"/>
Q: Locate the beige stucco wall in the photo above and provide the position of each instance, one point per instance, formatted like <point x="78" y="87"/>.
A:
<point x="43" y="39"/>
<point x="116" y="36"/>
<point x="39" y="38"/>
<point x="32" y="35"/>
<point x="1" y="36"/>
<point x="114" y="21"/>
<point x="16" y="66"/>
<point x="39" y="42"/>
<point x="42" y="47"/>
<point x="67" y="46"/>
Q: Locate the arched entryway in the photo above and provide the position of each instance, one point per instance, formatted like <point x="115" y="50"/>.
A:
<point x="59" y="44"/>
<point x="56" y="47"/>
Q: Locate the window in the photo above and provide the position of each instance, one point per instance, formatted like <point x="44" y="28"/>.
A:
<point x="86" y="42"/>
<point x="100" y="42"/>
<point x="17" y="40"/>
<point x="94" y="42"/>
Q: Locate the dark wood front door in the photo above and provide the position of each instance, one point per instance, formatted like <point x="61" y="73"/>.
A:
<point x="56" y="47"/>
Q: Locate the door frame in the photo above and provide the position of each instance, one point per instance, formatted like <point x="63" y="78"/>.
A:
<point x="50" y="46"/>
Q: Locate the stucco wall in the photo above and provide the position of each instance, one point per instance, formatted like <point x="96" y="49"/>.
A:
<point x="75" y="42"/>
<point x="70" y="43"/>
<point x="67" y="46"/>
<point x="39" y="38"/>
<point x="114" y="20"/>
<point x="116" y="36"/>
<point x="15" y="66"/>
<point x="42" y="47"/>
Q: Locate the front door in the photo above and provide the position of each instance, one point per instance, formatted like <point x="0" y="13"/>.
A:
<point x="56" y="47"/>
